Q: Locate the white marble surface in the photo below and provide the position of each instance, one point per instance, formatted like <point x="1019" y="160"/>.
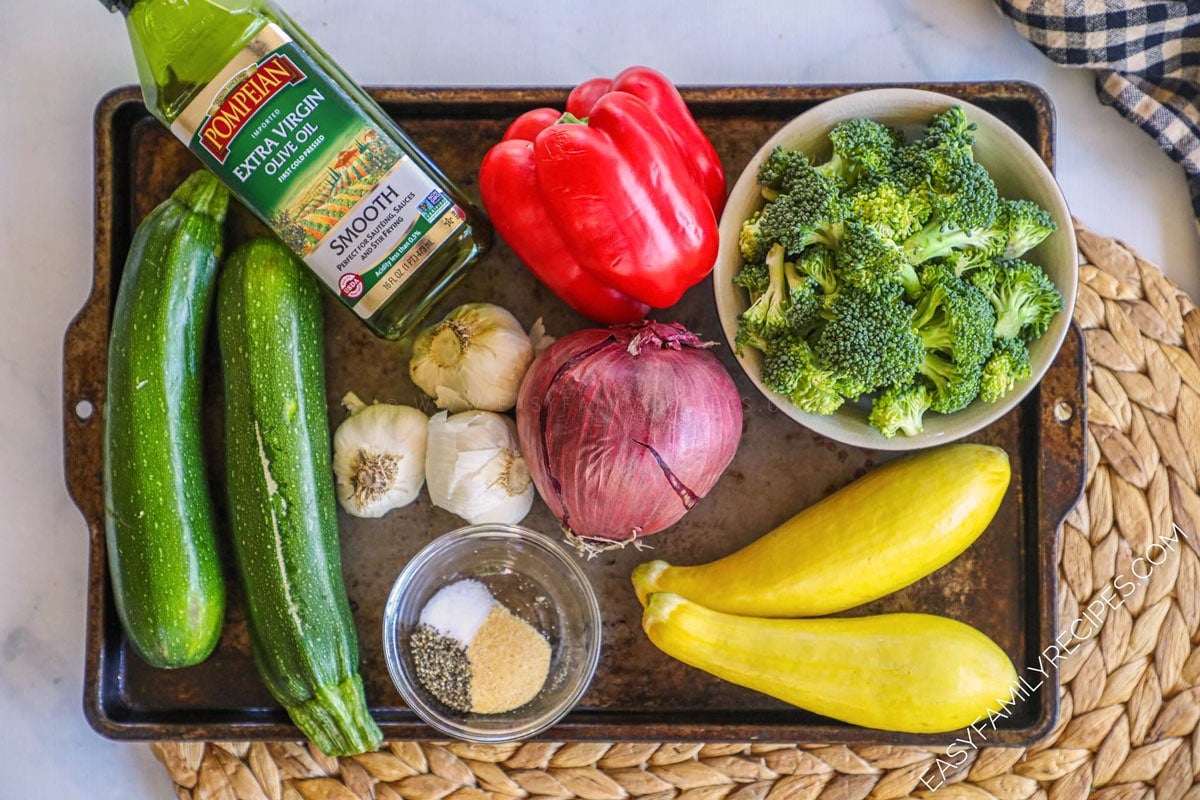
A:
<point x="62" y="55"/>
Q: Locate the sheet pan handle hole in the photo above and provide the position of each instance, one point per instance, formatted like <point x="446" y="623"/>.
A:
<point x="1063" y="411"/>
<point x="84" y="410"/>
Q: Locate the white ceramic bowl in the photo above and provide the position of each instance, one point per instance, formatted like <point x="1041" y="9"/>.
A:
<point x="1019" y="173"/>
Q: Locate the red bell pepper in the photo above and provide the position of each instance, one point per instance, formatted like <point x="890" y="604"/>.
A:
<point x="661" y="95"/>
<point x="508" y="176"/>
<point x="604" y="211"/>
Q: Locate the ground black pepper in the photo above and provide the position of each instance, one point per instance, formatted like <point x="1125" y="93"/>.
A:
<point x="442" y="667"/>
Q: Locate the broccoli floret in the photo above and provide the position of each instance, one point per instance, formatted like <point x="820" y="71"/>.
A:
<point x="965" y="216"/>
<point x="960" y="191"/>
<point x="937" y="240"/>
<point x="963" y="262"/>
<point x="869" y="341"/>
<point x="901" y="408"/>
<point x="788" y="305"/>
<point x="1027" y="225"/>
<point x="1018" y="226"/>
<point x="954" y="385"/>
<point x="1023" y="296"/>
<point x="961" y="194"/>
<point x="754" y="240"/>
<point x="874" y="264"/>
<point x="787" y="172"/>
<point x="784" y="169"/>
<point x="746" y="337"/>
<point x="752" y="244"/>
<point x="790" y="367"/>
<point x="954" y="317"/>
<point x="817" y="262"/>
<point x="766" y="316"/>
<point x="784" y="361"/>
<point x="754" y="278"/>
<point x="804" y="301"/>
<point x="950" y="130"/>
<point x="891" y="204"/>
<point x="812" y="214"/>
<point x="955" y="322"/>
<point x="818" y="393"/>
<point x="1008" y="364"/>
<point x="861" y="147"/>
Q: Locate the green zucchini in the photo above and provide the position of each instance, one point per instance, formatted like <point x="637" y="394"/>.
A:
<point x="159" y="520"/>
<point x="282" y="507"/>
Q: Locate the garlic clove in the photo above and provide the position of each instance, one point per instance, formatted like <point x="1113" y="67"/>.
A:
<point x="512" y="495"/>
<point x="508" y="511"/>
<point x="450" y="400"/>
<point x="474" y="467"/>
<point x="538" y="337"/>
<point x="505" y="498"/>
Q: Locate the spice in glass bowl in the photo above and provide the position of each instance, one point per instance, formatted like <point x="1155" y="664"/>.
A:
<point x="474" y="655"/>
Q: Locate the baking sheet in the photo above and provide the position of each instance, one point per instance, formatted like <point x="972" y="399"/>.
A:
<point x="1005" y="584"/>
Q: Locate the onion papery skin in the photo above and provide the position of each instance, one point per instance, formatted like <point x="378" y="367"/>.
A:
<point x="625" y="428"/>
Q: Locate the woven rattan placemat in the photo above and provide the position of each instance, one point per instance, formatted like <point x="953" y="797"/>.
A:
<point x="1130" y="692"/>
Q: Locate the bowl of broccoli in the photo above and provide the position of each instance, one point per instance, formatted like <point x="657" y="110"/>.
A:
<point x="897" y="269"/>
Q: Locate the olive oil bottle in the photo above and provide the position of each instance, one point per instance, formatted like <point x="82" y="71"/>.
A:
<point x="308" y="151"/>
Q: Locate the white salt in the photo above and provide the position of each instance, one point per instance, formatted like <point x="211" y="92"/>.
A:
<point x="458" y="610"/>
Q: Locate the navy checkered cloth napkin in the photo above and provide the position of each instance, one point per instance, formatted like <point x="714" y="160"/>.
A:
<point x="1147" y="61"/>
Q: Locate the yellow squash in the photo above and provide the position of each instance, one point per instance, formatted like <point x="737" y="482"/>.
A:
<point x="916" y="673"/>
<point x="886" y="530"/>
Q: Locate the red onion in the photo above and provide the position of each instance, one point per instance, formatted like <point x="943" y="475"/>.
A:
<point x="624" y="429"/>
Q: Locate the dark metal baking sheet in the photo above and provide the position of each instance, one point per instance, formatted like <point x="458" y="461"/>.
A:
<point x="1005" y="584"/>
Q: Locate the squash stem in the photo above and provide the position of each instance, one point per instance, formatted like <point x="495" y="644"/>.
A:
<point x="336" y="719"/>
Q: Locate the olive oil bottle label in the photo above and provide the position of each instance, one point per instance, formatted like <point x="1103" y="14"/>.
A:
<point x="302" y="155"/>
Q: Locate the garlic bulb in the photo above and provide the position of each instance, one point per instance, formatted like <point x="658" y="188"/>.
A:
<point x="474" y="358"/>
<point x="474" y="467"/>
<point x="379" y="457"/>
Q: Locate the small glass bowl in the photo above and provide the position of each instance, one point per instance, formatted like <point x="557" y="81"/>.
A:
<point x="539" y="582"/>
